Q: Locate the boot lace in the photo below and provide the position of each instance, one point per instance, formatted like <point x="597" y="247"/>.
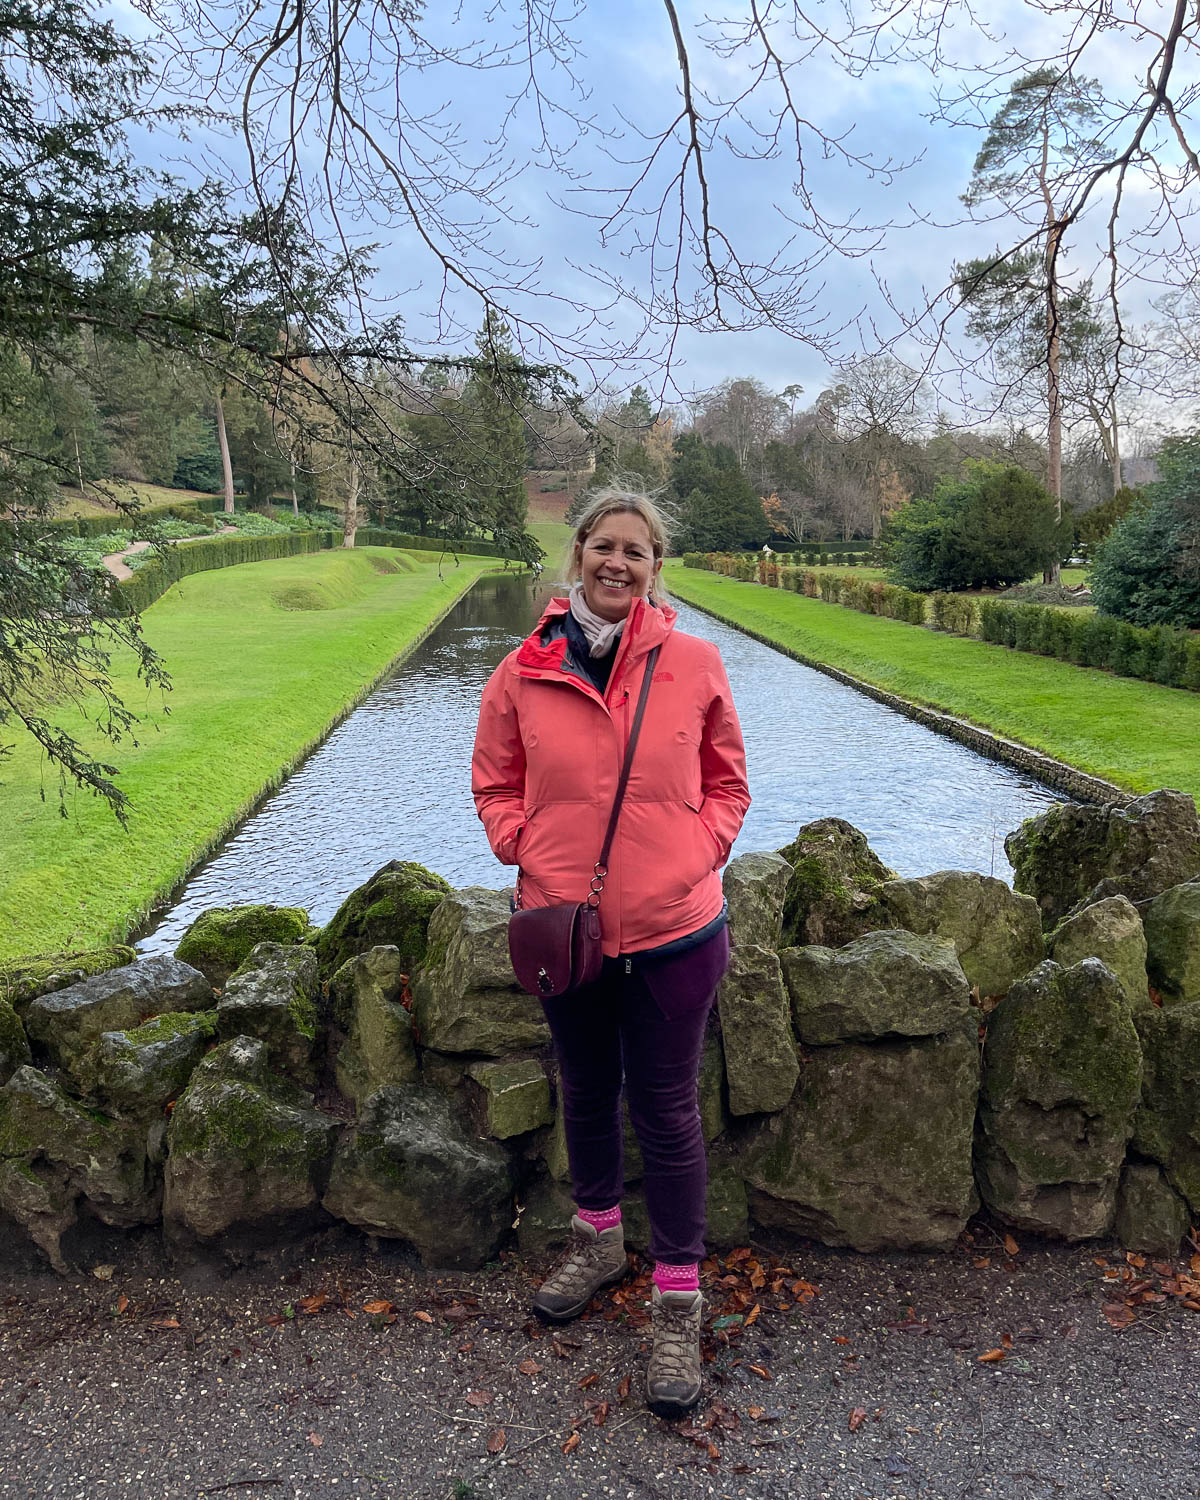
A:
<point x="676" y="1343"/>
<point x="576" y="1268"/>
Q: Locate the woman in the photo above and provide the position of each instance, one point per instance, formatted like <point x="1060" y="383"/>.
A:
<point x="553" y="727"/>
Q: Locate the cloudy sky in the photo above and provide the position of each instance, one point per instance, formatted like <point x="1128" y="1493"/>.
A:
<point x="604" y="105"/>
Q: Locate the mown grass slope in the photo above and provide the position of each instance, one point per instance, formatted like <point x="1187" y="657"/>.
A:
<point x="264" y="658"/>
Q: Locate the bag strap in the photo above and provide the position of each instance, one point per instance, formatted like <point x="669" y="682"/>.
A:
<point x="600" y="869"/>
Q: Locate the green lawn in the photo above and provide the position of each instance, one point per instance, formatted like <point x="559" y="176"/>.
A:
<point x="1136" y="734"/>
<point x="265" y="657"/>
<point x="75" y="504"/>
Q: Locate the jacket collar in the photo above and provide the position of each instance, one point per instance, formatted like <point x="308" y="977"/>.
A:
<point x="545" y="647"/>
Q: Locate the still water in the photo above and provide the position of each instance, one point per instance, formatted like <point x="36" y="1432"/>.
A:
<point x="393" y="780"/>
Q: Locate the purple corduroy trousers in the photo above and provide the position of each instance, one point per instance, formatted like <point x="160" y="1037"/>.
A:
<point x="641" y="1024"/>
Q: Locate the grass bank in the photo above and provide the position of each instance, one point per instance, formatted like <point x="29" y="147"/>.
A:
<point x="1136" y="734"/>
<point x="265" y="658"/>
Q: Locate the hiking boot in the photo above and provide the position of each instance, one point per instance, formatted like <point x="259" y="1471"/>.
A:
<point x="593" y="1259"/>
<point x="673" y="1375"/>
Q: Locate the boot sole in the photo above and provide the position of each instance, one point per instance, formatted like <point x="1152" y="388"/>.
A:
<point x="673" y="1409"/>
<point x="569" y="1314"/>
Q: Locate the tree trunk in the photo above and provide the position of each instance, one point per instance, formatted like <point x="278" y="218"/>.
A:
<point x="350" y="525"/>
<point x="1053" y="574"/>
<point x="295" y="499"/>
<point x="226" y="463"/>
<point x="78" y="460"/>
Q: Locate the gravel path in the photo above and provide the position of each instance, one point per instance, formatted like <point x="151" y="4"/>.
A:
<point x="355" y="1373"/>
<point x="115" y="561"/>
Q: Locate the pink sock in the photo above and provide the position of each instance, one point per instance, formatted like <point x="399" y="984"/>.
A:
<point x="600" y="1219"/>
<point x="668" y="1278"/>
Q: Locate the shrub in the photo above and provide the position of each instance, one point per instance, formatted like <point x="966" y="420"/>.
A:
<point x="993" y="527"/>
<point x="1145" y="571"/>
<point x="954" y="613"/>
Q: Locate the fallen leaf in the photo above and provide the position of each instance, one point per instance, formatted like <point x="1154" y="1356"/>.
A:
<point x="382" y="1306"/>
<point x="752" y="1315"/>
<point x="423" y="1316"/>
<point x="104" y="1273"/>
<point x="589" y="1380"/>
<point x="600" y="1415"/>
<point x="857" y="1417"/>
<point x="839" y="1338"/>
<point x="497" y="1440"/>
<point x="571" y="1443"/>
<point x="478" y="1398"/>
<point x="122" y="1302"/>
<point x="760" y="1370"/>
<point x="1118" y="1315"/>
<point x="714" y="1452"/>
<point x="624" y="1388"/>
<point x="1137" y="1261"/>
<point x="1099" y="1260"/>
<point x="756" y="1413"/>
<point x="529" y="1367"/>
<point x="1161" y="1268"/>
<point x="168" y="1322"/>
<point x="315" y="1439"/>
<point x="315" y="1303"/>
<point x="993" y="1356"/>
<point x="1010" y="1246"/>
<point x="982" y="1263"/>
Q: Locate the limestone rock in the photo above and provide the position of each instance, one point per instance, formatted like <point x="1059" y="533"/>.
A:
<point x="68" y="1021"/>
<point x="1074" y="855"/>
<point x="1111" y="931"/>
<point x="1061" y="1075"/>
<point x="754" y="887"/>
<point x="832" y="895"/>
<point x="24" y="979"/>
<point x="886" y="984"/>
<point x="393" y="909"/>
<point x="136" y="1072"/>
<point x="273" y="997"/>
<point x="14" y="1044"/>
<point x="996" y="932"/>
<point x="55" y="1152"/>
<point x="554" y="1149"/>
<point x="874" y="1148"/>
<point x="725" y="1205"/>
<point x="713" y="1112"/>
<point x="1152" y="1218"/>
<point x="516" y="1096"/>
<point x="1173" y="943"/>
<point x="366" y="1001"/>
<point x="544" y="1221"/>
<point x="220" y="940"/>
<point x="248" y="1154"/>
<point x="408" y="1171"/>
<point x="756" y="1032"/>
<point x="1166" y="1128"/>
<point x="466" y="998"/>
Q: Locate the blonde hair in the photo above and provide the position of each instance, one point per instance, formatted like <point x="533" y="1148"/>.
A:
<point x="615" y="500"/>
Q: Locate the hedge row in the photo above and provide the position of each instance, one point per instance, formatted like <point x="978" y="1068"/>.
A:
<point x="154" y="578"/>
<point x="1154" y="654"/>
<point x="1158" y="654"/>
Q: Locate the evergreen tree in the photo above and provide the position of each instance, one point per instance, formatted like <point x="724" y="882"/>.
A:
<point x="492" y="456"/>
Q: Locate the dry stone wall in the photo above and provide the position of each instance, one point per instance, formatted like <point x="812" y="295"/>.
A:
<point x="886" y="1057"/>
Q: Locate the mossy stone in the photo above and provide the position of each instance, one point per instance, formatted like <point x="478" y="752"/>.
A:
<point x="14" y="1044"/>
<point x="756" y="1032"/>
<point x="24" y="979"/>
<point x="516" y="1096"/>
<point x="1110" y="930"/>
<point x="714" y="1115"/>
<point x="1062" y="1071"/>
<point x="273" y="997"/>
<point x="393" y="908"/>
<point x="408" y="1171"/>
<point x="64" y="1152"/>
<point x="754" y="886"/>
<point x="544" y="1216"/>
<point x="466" y="997"/>
<point x="554" y="1149"/>
<point x="874" y="1147"/>
<point x="365" y="997"/>
<point x="832" y="895"/>
<point x="725" y="1212"/>
<point x="220" y="940"/>
<point x="68" y="1022"/>
<point x="137" y="1072"/>
<point x="1166" y="1128"/>
<point x="886" y="984"/>
<point x="996" y="932"/>
<point x="247" y="1152"/>
<point x="1172" y="923"/>
<point x="1074" y="854"/>
<point x="1152" y="1218"/>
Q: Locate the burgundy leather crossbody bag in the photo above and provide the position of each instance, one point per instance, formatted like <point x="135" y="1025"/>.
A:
<point x="556" y="949"/>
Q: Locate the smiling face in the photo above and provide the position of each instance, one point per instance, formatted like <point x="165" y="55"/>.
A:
<point x="617" y="564"/>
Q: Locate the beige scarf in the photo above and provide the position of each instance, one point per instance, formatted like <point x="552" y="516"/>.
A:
<point x="601" y="634"/>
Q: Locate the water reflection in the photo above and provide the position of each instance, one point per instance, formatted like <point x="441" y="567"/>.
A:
<point x="392" y="782"/>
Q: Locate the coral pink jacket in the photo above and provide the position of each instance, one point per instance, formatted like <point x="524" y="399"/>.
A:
<point x="548" y="756"/>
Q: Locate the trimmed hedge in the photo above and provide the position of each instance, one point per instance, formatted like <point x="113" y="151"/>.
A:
<point x="185" y="509"/>
<point x="1157" y="653"/>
